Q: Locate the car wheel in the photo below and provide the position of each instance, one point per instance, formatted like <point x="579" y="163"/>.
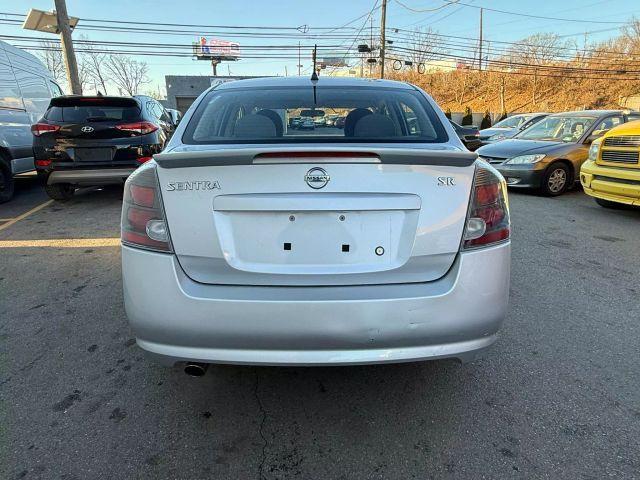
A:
<point x="555" y="180"/>
<point x="608" y="204"/>
<point x="60" y="191"/>
<point x="6" y="183"/>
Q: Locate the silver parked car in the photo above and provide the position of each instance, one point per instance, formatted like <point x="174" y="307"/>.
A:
<point x="510" y="127"/>
<point x="247" y="243"/>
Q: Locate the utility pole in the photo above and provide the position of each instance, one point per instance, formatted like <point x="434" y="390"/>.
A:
<point x="371" y="39"/>
<point x="502" y="106"/>
<point x="480" y="58"/>
<point x="383" y="28"/>
<point x="299" y="60"/>
<point x="66" y="43"/>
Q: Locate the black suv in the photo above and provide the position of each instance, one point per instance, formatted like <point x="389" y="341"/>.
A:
<point x="84" y="141"/>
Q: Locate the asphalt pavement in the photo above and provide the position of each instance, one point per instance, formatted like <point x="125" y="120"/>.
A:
<point x="558" y="397"/>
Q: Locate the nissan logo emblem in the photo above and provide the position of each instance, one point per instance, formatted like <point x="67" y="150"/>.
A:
<point x="317" y="178"/>
<point x="87" y="129"/>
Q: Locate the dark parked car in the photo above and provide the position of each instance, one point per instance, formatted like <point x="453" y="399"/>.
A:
<point x="510" y="127"/>
<point x="470" y="136"/>
<point x="547" y="156"/>
<point x="295" y="122"/>
<point x="84" y="141"/>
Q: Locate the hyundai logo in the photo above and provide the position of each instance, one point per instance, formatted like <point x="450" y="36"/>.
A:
<point x="317" y="178"/>
<point x="87" y="129"/>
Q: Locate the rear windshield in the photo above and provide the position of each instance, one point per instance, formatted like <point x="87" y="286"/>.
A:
<point x="291" y="115"/>
<point x="87" y="110"/>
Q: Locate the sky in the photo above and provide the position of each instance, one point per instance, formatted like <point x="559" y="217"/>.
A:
<point x="448" y="19"/>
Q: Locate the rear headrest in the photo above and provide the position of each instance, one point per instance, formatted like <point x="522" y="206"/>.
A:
<point x="255" y="126"/>
<point x="375" y="126"/>
<point x="352" y="118"/>
<point x="275" y="118"/>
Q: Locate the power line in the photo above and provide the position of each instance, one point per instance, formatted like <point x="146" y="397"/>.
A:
<point x="502" y="53"/>
<point x="528" y="15"/>
<point x="364" y="24"/>
<point x="610" y="74"/>
<point x="502" y="42"/>
<point x="425" y="10"/>
<point x="300" y="28"/>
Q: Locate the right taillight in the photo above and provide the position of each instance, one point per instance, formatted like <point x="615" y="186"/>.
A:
<point x="138" y="128"/>
<point x="488" y="217"/>
<point x="143" y="223"/>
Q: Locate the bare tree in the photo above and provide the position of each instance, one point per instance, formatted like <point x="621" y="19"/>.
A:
<point x="425" y="46"/>
<point x="538" y="49"/>
<point x="128" y="74"/>
<point x="631" y="35"/>
<point x="51" y="56"/>
<point x="94" y="63"/>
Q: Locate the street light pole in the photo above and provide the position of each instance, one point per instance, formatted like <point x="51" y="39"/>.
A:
<point x="68" y="53"/>
<point x="383" y="28"/>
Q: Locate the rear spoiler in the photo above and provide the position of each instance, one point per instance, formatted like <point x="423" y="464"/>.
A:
<point x="316" y="155"/>
<point x="78" y="101"/>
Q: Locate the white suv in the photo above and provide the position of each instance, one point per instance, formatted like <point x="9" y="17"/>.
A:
<point x="249" y="242"/>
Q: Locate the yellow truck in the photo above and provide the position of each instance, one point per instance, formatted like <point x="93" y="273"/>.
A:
<point x="612" y="173"/>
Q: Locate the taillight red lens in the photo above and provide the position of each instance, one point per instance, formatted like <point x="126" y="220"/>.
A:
<point x="143" y="196"/>
<point x="139" y="128"/>
<point x="143" y="222"/>
<point x="43" y="163"/>
<point x="144" y="159"/>
<point x="488" y="218"/>
<point x="40" y="128"/>
<point x="487" y="194"/>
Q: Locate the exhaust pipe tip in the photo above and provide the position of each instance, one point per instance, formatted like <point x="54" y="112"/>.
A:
<point x="195" y="369"/>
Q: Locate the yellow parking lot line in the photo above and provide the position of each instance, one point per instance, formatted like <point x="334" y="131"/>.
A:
<point x="62" y="243"/>
<point x="25" y="214"/>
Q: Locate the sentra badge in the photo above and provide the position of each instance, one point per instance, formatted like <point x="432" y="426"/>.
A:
<point x="194" y="185"/>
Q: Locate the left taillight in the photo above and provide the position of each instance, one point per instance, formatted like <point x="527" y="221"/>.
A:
<point x="488" y="217"/>
<point x="40" y="128"/>
<point x="143" y="223"/>
<point x="138" y="128"/>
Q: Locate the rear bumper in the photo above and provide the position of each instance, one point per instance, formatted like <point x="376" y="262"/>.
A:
<point x="620" y="185"/>
<point x="105" y="176"/>
<point x="176" y="319"/>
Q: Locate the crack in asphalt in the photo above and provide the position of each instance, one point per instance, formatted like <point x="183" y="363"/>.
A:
<point x="260" y="430"/>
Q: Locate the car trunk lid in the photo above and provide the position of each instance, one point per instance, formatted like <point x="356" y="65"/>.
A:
<point x="327" y="216"/>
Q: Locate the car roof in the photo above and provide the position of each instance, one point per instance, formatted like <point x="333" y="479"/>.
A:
<point x="593" y="113"/>
<point x="306" y="82"/>
<point x="106" y="97"/>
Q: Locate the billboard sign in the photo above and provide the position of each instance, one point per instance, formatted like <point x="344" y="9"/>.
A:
<point x="214" y="48"/>
<point x="332" y="62"/>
